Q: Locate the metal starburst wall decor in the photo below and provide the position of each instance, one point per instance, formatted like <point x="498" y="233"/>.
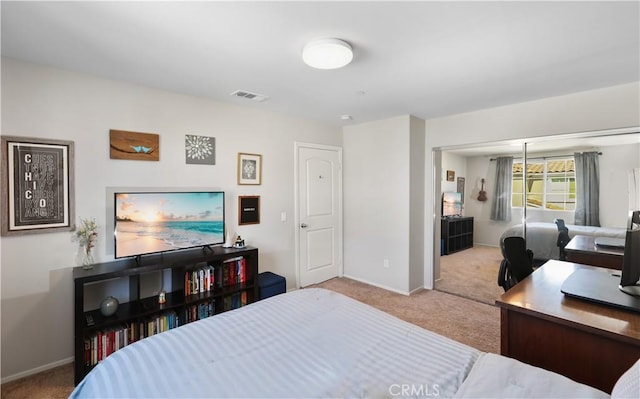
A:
<point x="200" y="150"/>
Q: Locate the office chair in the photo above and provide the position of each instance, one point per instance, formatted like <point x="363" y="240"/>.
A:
<point x="517" y="264"/>
<point x="563" y="238"/>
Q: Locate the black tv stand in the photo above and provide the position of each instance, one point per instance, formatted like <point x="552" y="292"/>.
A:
<point x="207" y="247"/>
<point x="227" y="293"/>
<point x="456" y="234"/>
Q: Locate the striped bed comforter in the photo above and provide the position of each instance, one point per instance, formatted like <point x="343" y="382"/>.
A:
<point x="306" y="343"/>
<point x="313" y="343"/>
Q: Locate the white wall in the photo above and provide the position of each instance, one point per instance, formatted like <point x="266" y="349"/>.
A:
<point x="377" y="201"/>
<point x="37" y="289"/>
<point x="612" y="107"/>
<point x="416" y="203"/>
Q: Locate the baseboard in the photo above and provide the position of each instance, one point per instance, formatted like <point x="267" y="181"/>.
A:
<point x="36" y="370"/>
<point x="378" y="285"/>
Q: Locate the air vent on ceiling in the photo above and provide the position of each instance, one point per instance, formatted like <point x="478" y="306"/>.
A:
<point x="250" y="96"/>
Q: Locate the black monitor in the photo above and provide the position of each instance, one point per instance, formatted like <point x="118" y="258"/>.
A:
<point x="631" y="262"/>
<point x="633" y="222"/>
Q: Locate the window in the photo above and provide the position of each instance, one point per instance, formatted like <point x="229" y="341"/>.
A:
<point x="551" y="184"/>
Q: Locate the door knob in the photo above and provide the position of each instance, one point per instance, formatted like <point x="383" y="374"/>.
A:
<point x="303" y="226"/>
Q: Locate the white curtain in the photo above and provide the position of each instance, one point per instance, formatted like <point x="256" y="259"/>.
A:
<point x="501" y="201"/>
<point x="587" y="189"/>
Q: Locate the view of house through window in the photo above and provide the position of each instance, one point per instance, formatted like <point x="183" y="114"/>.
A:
<point x="551" y="184"/>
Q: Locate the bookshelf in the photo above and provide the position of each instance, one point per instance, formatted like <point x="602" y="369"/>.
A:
<point x="193" y="296"/>
<point x="457" y="234"/>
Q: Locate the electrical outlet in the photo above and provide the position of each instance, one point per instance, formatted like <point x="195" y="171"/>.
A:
<point x="385" y="263"/>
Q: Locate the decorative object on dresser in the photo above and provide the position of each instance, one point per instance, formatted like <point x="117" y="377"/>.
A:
<point x="109" y="306"/>
<point x="239" y="242"/>
<point x="87" y="233"/>
<point x="203" y="283"/>
<point x="37" y="185"/>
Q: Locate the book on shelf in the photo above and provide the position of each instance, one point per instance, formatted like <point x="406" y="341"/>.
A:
<point x="209" y="277"/>
<point x="103" y="343"/>
<point x="199" y="311"/>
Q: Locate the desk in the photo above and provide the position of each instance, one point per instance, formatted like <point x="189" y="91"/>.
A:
<point x="583" y="250"/>
<point x="587" y="342"/>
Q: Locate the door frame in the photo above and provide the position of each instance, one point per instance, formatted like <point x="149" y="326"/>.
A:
<point x="296" y="201"/>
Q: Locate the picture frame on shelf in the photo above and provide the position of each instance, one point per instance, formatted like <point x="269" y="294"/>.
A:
<point x="249" y="169"/>
<point x="248" y="209"/>
<point x="37" y="183"/>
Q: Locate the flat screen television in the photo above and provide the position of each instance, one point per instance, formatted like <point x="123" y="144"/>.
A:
<point x="151" y="222"/>
<point x="451" y="204"/>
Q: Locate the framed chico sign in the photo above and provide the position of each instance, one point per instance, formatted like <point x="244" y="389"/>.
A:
<point x="37" y="185"/>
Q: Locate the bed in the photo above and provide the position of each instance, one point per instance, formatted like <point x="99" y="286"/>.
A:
<point x="542" y="237"/>
<point x="314" y="343"/>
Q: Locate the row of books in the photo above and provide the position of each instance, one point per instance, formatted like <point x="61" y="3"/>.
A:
<point x="103" y="343"/>
<point x="235" y="301"/>
<point x="200" y="311"/>
<point x="207" y="278"/>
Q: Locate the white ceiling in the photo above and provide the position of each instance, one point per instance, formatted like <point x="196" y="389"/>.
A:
<point x="427" y="59"/>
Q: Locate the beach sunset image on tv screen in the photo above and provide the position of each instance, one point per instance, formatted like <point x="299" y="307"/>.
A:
<point x="157" y="222"/>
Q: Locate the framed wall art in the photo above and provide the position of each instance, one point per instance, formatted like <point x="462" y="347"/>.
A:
<point x="249" y="209"/>
<point x="200" y="150"/>
<point x="451" y="175"/>
<point x="37" y="183"/>
<point x="134" y="146"/>
<point x="249" y="168"/>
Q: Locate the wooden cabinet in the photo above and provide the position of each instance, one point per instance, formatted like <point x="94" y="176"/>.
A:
<point x="234" y="284"/>
<point x="456" y="234"/>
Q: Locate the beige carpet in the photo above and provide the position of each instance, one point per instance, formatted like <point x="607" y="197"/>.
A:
<point x="473" y="323"/>
<point x="472" y="273"/>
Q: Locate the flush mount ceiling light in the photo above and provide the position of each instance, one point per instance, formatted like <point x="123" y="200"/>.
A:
<point x="327" y="53"/>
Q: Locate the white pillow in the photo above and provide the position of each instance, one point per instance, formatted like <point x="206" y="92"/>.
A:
<point x="628" y="385"/>
<point x="494" y="376"/>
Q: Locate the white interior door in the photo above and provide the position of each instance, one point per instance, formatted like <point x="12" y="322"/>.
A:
<point x="318" y="213"/>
